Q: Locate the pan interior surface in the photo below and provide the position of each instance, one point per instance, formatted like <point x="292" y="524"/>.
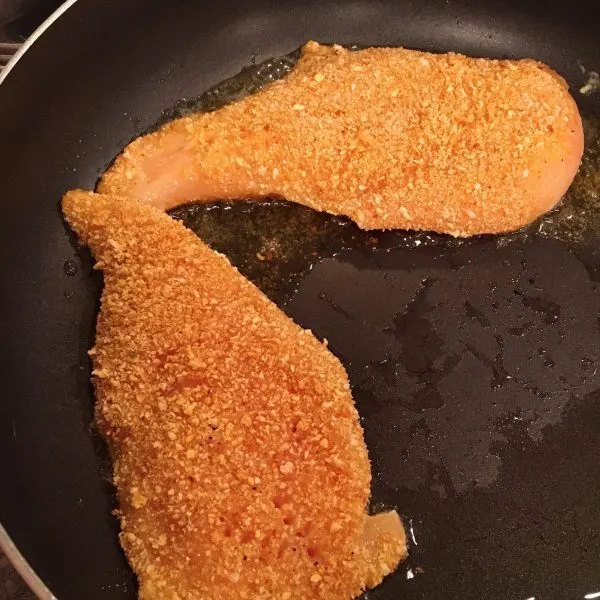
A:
<point x="474" y="363"/>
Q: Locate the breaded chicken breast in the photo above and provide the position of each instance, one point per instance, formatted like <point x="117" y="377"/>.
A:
<point x="391" y="138"/>
<point x="238" y="456"/>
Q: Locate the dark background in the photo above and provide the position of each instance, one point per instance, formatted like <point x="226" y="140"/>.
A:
<point x="18" y="18"/>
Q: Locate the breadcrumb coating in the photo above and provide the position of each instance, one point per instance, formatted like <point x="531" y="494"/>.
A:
<point x="238" y="456"/>
<point x="391" y="138"/>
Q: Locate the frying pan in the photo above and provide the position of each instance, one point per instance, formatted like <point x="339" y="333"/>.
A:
<point x="473" y="363"/>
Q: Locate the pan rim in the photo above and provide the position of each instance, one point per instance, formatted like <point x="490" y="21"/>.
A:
<point x="12" y="553"/>
<point x="25" y="570"/>
<point x="33" y="38"/>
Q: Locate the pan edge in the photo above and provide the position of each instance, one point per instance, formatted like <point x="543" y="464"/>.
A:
<point x="33" y="38"/>
<point x="19" y="562"/>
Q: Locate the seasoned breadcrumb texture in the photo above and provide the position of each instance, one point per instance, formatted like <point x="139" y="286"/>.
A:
<point x="238" y="456"/>
<point x="391" y="138"/>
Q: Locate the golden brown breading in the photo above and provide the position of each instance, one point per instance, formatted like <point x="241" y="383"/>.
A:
<point x="238" y="457"/>
<point x="392" y="138"/>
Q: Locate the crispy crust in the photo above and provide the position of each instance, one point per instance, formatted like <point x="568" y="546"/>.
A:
<point x="392" y="138"/>
<point x="238" y="457"/>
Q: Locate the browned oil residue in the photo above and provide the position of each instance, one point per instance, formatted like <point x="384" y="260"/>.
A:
<point x="578" y="215"/>
<point x="274" y="243"/>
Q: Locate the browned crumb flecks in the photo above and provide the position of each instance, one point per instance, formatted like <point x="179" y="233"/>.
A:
<point x="238" y="456"/>
<point x="392" y="138"/>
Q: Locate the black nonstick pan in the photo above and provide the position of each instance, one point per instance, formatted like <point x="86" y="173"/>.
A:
<point x="474" y="363"/>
